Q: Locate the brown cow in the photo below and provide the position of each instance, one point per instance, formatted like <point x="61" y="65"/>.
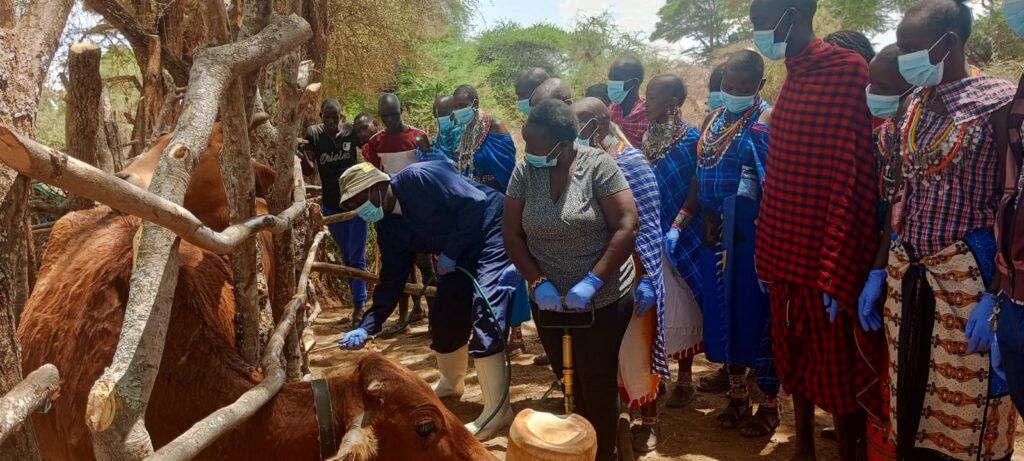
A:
<point x="73" y="320"/>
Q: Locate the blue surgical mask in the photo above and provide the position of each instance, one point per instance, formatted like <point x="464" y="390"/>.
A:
<point x="582" y="140"/>
<point x="765" y="40"/>
<point x="1013" y="12"/>
<point x="369" y="212"/>
<point x="738" y="104"/>
<point x="917" y="68"/>
<point x="884" y="106"/>
<point x="617" y="91"/>
<point x="715" y="100"/>
<point x="445" y="124"/>
<point x="541" y="161"/>
<point x="524" y="106"/>
<point x="465" y="115"/>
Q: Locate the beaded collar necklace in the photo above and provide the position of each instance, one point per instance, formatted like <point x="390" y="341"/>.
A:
<point x="930" y="163"/>
<point x="662" y="136"/>
<point x="719" y="135"/>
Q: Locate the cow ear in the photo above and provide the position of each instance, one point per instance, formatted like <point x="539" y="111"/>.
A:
<point x="265" y="178"/>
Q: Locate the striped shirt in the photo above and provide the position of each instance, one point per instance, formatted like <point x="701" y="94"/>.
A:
<point x="937" y="215"/>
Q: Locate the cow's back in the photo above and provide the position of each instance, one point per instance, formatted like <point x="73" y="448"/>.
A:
<point x="73" y="320"/>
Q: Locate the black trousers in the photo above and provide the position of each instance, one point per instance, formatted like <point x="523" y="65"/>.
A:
<point x="595" y="362"/>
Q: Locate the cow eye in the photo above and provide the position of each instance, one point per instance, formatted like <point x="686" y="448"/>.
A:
<point x="425" y="428"/>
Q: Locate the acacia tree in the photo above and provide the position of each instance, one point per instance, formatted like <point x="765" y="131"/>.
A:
<point x="28" y="39"/>
<point x="708" y="23"/>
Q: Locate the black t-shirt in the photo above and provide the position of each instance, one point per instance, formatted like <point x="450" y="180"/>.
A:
<point x="333" y="157"/>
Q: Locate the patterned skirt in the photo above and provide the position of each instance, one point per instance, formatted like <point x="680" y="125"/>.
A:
<point x="941" y="396"/>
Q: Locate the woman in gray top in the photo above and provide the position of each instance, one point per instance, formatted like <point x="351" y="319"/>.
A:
<point x="570" y="225"/>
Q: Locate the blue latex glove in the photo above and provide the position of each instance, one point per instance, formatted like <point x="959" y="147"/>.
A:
<point x="997" y="358"/>
<point x="831" y="305"/>
<point x="671" y="241"/>
<point x="546" y="296"/>
<point x="354" y="339"/>
<point x="445" y="265"/>
<point x="870" y="319"/>
<point x="645" y="297"/>
<point x="979" y="332"/>
<point x="581" y="294"/>
<point x="510" y="277"/>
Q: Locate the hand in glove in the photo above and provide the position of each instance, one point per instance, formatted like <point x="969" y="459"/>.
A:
<point x="831" y="306"/>
<point x="354" y="339"/>
<point x="645" y="297"/>
<point x="581" y="294"/>
<point x="510" y="277"/>
<point x="445" y="265"/>
<point x="979" y="332"/>
<point x="672" y="240"/>
<point x="870" y="319"/>
<point x="546" y="296"/>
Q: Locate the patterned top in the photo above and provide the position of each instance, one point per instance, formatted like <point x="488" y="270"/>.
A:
<point x="569" y="235"/>
<point x="642" y="181"/>
<point x="819" y="208"/>
<point x="633" y="125"/>
<point x="966" y="196"/>
<point x="744" y="158"/>
<point x="674" y="171"/>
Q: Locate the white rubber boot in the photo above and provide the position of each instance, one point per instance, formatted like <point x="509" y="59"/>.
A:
<point x="453" y="373"/>
<point x="490" y="372"/>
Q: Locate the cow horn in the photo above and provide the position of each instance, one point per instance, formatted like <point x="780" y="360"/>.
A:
<point x="359" y="443"/>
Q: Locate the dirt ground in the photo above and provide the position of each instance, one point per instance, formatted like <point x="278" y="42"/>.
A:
<point x="690" y="433"/>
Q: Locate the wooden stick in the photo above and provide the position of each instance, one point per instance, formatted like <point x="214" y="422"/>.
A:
<point x="82" y="119"/>
<point x="26" y="397"/>
<point x="340" y="217"/>
<point x="203" y="433"/>
<point x="117" y="403"/>
<point x="369" y="277"/>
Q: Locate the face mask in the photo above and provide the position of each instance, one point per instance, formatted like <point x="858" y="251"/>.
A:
<point x="541" y="161"/>
<point x="609" y="141"/>
<point x="524" y="106"/>
<point x="917" y="68"/>
<point x="738" y="104"/>
<point x="765" y="41"/>
<point x="445" y="124"/>
<point x="884" y="106"/>
<point x="1013" y="11"/>
<point x="617" y="91"/>
<point x="465" y="115"/>
<point x="715" y="100"/>
<point x="582" y="140"/>
<point x="371" y="213"/>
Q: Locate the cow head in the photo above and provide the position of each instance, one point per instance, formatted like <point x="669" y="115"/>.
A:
<point x="205" y="196"/>
<point x="401" y="412"/>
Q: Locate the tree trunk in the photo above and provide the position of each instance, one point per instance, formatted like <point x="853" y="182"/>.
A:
<point x="82" y="119"/>
<point x="117" y="402"/>
<point x="27" y="44"/>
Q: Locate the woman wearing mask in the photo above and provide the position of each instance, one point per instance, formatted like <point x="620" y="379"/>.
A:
<point x="570" y="224"/>
<point x="429" y="208"/>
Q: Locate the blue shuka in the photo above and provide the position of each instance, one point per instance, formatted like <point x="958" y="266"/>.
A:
<point x="737" y="314"/>
<point x="674" y="171"/>
<point x="649" y="243"/>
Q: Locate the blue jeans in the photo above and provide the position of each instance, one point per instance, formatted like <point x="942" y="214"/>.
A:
<point x="1011" y="345"/>
<point x="351" y="238"/>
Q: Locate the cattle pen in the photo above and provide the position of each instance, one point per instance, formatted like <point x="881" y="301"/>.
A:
<point x="217" y="85"/>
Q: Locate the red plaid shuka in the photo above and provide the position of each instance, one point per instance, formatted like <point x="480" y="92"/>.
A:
<point x="635" y="124"/>
<point x="817" y="225"/>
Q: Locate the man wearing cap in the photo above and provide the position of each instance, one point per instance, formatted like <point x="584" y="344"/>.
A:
<point x="429" y="207"/>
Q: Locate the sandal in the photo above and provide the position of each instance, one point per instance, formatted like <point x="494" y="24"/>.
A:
<point x="681" y="396"/>
<point x="761" y="424"/>
<point x="715" y="382"/>
<point x="516" y="345"/>
<point x="737" y="411"/>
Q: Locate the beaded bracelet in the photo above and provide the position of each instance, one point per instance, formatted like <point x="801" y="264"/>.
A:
<point x="537" y="281"/>
<point x="683" y="219"/>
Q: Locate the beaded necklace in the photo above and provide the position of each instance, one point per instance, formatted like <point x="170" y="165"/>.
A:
<point x="929" y="163"/>
<point x="719" y="135"/>
<point x="662" y="136"/>
<point x="889" y="163"/>
<point x="473" y="136"/>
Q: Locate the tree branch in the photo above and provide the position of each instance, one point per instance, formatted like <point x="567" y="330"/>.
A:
<point x="118" y="16"/>
<point x="118" y="400"/>
<point x="82" y="124"/>
<point x="33" y="393"/>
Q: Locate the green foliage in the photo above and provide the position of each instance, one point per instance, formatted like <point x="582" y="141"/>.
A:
<point x="709" y="23"/>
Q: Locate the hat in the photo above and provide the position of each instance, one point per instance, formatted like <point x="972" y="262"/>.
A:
<point x="358" y="178"/>
<point x="540" y="436"/>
